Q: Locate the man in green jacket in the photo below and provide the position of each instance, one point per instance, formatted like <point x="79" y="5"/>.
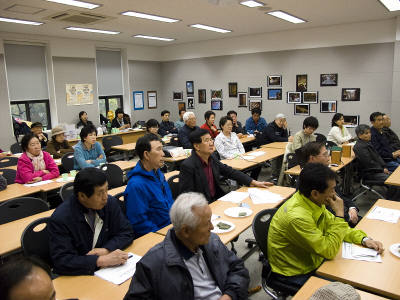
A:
<point x="303" y="233"/>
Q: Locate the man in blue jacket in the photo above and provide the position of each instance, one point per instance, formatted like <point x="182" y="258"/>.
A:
<point x="147" y="196"/>
<point x="255" y="123"/>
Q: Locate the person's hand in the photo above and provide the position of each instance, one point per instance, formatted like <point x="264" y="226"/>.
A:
<point x="261" y="184"/>
<point x="345" y="143"/>
<point x="59" y="151"/>
<point x="98" y="251"/>
<point x="35" y="179"/>
<point x="239" y="135"/>
<point x="88" y="161"/>
<point x="100" y="157"/>
<point x="40" y="136"/>
<point x="213" y="128"/>
<point x="396" y="154"/>
<point x="336" y="203"/>
<point x="290" y="139"/>
<point x="377" y="245"/>
<point x="114" y="258"/>
<point x="3" y="154"/>
<point x="386" y="171"/>
<point x="46" y="171"/>
<point x="255" y="131"/>
<point x="353" y="216"/>
<point x="225" y="297"/>
<point x="285" y="125"/>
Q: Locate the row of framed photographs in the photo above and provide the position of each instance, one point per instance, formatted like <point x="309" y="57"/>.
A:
<point x="352" y="94"/>
<point x="301" y="81"/>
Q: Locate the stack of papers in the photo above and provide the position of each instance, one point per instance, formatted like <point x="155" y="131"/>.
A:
<point x="248" y="157"/>
<point x="214" y="217"/>
<point x="260" y="197"/>
<point x="119" y="274"/>
<point x="38" y="183"/>
<point x="257" y="153"/>
<point x="352" y="251"/>
<point x="234" y="197"/>
<point x="384" y="214"/>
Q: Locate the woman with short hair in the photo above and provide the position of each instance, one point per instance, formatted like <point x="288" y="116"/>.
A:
<point x="209" y="116"/>
<point x="152" y="126"/>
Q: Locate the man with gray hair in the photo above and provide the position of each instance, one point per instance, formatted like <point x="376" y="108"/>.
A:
<point x="276" y="131"/>
<point x="190" y="125"/>
<point x="191" y="262"/>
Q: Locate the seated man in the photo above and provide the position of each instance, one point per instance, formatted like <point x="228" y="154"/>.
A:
<point x="83" y="120"/>
<point x="191" y="262"/>
<point x="201" y="171"/>
<point x="303" y="233"/>
<point x="179" y="124"/>
<point x="26" y="278"/>
<point x="166" y="127"/>
<point x="237" y="126"/>
<point x="37" y="129"/>
<point x="389" y="135"/>
<point x="301" y="138"/>
<point x="389" y="155"/>
<point x="276" y="131"/>
<point x="372" y="160"/>
<point x="189" y="127"/>
<point x="88" y="229"/>
<point x="255" y="123"/>
<point x="147" y="196"/>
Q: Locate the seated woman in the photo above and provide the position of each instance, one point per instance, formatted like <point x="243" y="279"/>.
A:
<point x="57" y="146"/>
<point x="83" y="120"/>
<point x="34" y="164"/>
<point x="209" y="124"/>
<point x="339" y="133"/>
<point x="152" y="126"/>
<point x="88" y="152"/>
<point x="310" y="124"/>
<point x="119" y="121"/>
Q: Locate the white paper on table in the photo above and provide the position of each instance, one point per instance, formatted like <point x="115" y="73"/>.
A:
<point x="137" y="128"/>
<point x="214" y="217"/>
<point x="57" y="161"/>
<point x="260" y="197"/>
<point x="234" y="197"/>
<point x="250" y="135"/>
<point x="384" y="214"/>
<point x="257" y="153"/>
<point x="247" y="157"/>
<point x="119" y="274"/>
<point x="38" y="183"/>
<point x="347" y="253"/>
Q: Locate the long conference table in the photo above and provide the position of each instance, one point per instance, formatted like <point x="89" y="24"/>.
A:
<point x="394" y="178"/>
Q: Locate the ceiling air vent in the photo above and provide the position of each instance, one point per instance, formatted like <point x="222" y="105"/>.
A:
<point x="78" y="17"/>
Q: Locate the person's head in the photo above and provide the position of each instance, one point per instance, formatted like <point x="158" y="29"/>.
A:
<point x="280" y="120"/>
<point x="233" y="115"/>
<point x="150" y="151"/>
<point x="202" y="142"/>
<point x="26" y="278"/>
<point x="315" y="152"/>
<point x="88" y="134"/>
<point x="30" y="143"/>
<point x="386" y="121"/>
<point x="363" y="132"/>
<point x="226" y="124"/>
<point x="310" y="124"/>
<point x="255" y="114"/>
<point x="83" y="116"/>
<point x="190" y="119"/>
<point x="36" y="127"/>
<point x="181" y="113"/>
<point x="57" y="133"/>
<point x="317" y="182"/>
<point x="91" y="187"/>
<point x="165" y="115"/>
<point x="337" y="120"/>
<point x="376" y="119"/>
<point x="152" y="126"/>
<point x="119" y="113"/>
<point x="209" y="116"/>
<point x="191" y="218"/>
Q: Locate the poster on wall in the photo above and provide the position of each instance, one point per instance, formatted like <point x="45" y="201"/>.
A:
<point x="138" y="103"/>
<point x="79" y="94"/>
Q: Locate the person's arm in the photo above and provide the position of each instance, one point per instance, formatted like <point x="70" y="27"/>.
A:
<point x="100" y="155"/>
<point x="336" y="133"/>
<point x="162" y="130"/>
<point x="66" y="148"/>
<point x="297" y="141"/>
<point x="3" y="183"/>
<point x="51" y="166"/>
<point x="363" y="154"/>
<point x="384" y="152"/>
<point x="173" y="128"/>
<point x="220" y="147"/>
<point x="52" y="150"/>
<point x="261" y="124"/>
<point x="184" y="140"/>
<point x="249" y="126"/>
<point x="141" y="286"/>
<point x="239" y="144"/>
<point x="186" y="178"/>
<point x="26" y="171"/>
<point x="79" y="157"/>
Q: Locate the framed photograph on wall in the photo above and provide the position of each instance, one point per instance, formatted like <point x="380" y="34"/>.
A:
<point x="242" y="99"/>
<point x="275" y="80"/>
<point x="351" y="94"/>
<point x="328" y="106"/>
<point x="255" y="103"/>
<point x="216" y="94"/>
<point x="178" y="96"/>
<point x="302" y="109"/>
<point x="329" y="80"/>
<point x="233" y="89"/>
<point x="293" y="97"/>
<point x="190" y="102"/>
<point x="189" y="88"/>
<point x="202" y="96"/>
<point x="301" y="83"/>
<point x="351" y="120"/>
<point x="310" y="97"/>
<point x="181" y="105"/>
<point x="274" y="94"/>
<point x="255" y="92"/>
<point x="216" y="104"/>
<point x="151" y="99"/>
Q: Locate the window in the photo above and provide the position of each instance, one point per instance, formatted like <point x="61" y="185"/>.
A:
<point x="32" y="111"/>
<point x="107" y="103"/>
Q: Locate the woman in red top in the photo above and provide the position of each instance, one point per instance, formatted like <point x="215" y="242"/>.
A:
<point x="209" y="124"/>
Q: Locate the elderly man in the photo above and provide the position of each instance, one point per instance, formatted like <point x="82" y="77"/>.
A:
<point x="191" y="263"/>
<point x="201" y="171"/>
<point x="389" y="135"/>
<point x="190" y="125"/>
<point x="147" y="196"/>
<point x="88" y="230"/>
<point x="276" y="131"/>
<point x="83" y="120"/>
<point x="166" y="127"/>
<point x="255" y="123"/>
<point x="37" y="129"/>
<point x="303" y="233"/>
<point x="179" y="124"/>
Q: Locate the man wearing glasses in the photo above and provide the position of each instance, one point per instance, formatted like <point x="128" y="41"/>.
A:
<point x="190" y="125"/>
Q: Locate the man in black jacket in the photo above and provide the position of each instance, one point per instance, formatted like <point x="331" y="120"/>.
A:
<point x="190" y="125"/>
<point x="191" y="263"/>
<point x="201" y="171"/>
<point x="389" y="134"/>
<point x="166" y="127"/>
<point x="276" y="131"/>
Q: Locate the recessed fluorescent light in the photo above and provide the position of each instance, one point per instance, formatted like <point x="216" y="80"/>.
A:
<point x="93" y="30"/>
<point x="201" y="26"/>
<point x="391" y="5"/>
<point x="251" y="3"/>
<point x="153" y="38"/>
<point x="19" y="21"/>
<point x="286" y="17"/>
<point x="149" y="17"/>
<point x="76" y="3"/>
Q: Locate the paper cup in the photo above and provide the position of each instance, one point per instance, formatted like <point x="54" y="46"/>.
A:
<point x="73" y="173"/>
<point x="65" y="176"/>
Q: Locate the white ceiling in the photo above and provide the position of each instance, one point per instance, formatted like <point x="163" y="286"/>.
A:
<point x="226" y="14"/>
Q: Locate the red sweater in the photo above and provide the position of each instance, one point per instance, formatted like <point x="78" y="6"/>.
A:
<point x="212" y="133"/>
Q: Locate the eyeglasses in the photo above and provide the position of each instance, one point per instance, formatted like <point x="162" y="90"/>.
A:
<point x="326" y="154"/>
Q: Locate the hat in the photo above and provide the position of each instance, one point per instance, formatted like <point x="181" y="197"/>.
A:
<point x="336" y="291"/>
<point x="36" y="124"/>
<point x="57" y="130"/>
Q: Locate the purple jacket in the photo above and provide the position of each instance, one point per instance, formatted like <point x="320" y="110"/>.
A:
<point x="25" y="171"/>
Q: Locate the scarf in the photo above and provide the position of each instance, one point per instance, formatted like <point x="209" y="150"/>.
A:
<point x="37" y="161"/>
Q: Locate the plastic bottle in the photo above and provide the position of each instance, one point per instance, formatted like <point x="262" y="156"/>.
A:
<point x="108" y="127"/>
<point x="103" y="127"/>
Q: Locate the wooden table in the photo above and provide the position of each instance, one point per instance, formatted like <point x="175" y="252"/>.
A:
<point x="125" y="164"/>
<point x="94" y="288"/>
<point x="127" y="137"/>
<point x="394" y="178"/>
<point x="246" y="139"/>
<point x="380" y="278"/>
<point x="314" y="283"/>
<point x="172" y="161"/>
<point x="17" y="190"/>
<point x="276" y="145"/>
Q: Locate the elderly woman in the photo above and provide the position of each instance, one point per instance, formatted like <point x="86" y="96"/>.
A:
<point x="209" y="124"/>
<point x="88" y="152"/>
<point x="152" y="126"/>
<point x="34" y="164"/>
<point x="339" y="133"/>
<point x="58" y="146"/>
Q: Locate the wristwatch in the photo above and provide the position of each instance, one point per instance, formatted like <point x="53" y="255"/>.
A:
<point x="364" y="240"/>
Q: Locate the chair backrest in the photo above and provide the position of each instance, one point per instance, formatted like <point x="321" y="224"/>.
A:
<point x="261" y="223"/>
<point x="300" y="158"/>
<point x="9" y="175"/>
<point x="8" y="161"/>
<point x="111" y="140"/>
<point x="174" y="141"/>
<point x="67" y="161"/>
<point x="114" y="174"/>
<point x="121" y="202"/>
<point x="258" y="138"/>
<point x="292" y="160"/>
<point x="329" y="145"/>
<point x="16" y="148"/>
<point x="173" y="183"/>
<point x="19" y="208"/>
<point x="67" y="190"/>
<point x="320" y="137"/>
<point x="35" y="240"/>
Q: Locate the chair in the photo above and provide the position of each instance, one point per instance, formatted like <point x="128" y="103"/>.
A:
<point x="329" y="145"/>
<point x="174" y="141"/>
<point x="173" y="183"/>
<point x="261" y="224"/>
<point x="8" y="161"/>
<point x="9" y="175"/>
<point x="109" y="141"/>
<point x="292" y="161"/>
<point x="121" y="202"/>
<point x="67" y="161"/>
<point x="35" y="240"/>
<point x="320" y="137"/>
<point x="22" y="207"/>
<point x="114" y="174"/>
<point x="258" y="138"/>
<point x="67" y="190"/>
<point x="16" y="148"/>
